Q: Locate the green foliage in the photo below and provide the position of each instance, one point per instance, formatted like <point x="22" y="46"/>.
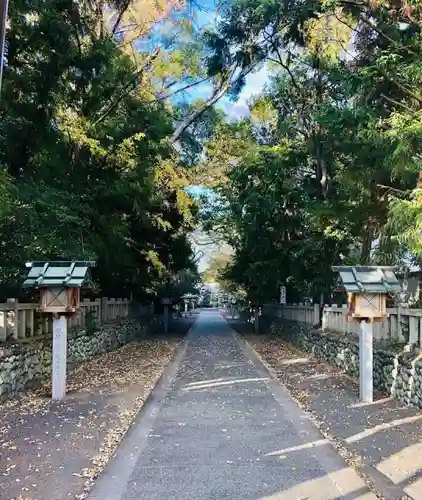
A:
<point x="179" y="284"/>
<point x="96" y="158"/>
<point x="406" y="221"/>
<point x="326" y="172"/>
<point x="88" y="166"/>
<point x="218" y="264"/>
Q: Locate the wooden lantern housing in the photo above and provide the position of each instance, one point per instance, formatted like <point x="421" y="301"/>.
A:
<point x="59" y="284"/>
<point x="188" y="297"/>
<point x="367" y="288"/>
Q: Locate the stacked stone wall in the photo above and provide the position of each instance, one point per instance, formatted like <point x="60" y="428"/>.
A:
<point x="395" y="372"/>
<point x="24" y="365"/>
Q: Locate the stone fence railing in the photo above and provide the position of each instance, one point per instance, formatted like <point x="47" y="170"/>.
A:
<point x="19" y="322"/>
<point x="296" y="312"/>
<point x="402" y="324"/>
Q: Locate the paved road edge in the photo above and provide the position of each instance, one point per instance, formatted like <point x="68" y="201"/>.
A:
<point x="330" y="454"/>
<point x="112" y="482"/>
<point x="378" y="483"/>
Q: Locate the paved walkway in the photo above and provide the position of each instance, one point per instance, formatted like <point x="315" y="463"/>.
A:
<point x="218" y="427"/>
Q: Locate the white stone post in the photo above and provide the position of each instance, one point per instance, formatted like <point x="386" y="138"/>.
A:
<point x="316" y="314"/>
<point x="166" y="318"/>
<point x="59" y="357"/>
<point x="366" y="361"/>
<point x="413" y="330"/>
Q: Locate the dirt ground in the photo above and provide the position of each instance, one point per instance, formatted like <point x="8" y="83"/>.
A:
<point x="382" y="440"/>
<point x="55" y="450"/>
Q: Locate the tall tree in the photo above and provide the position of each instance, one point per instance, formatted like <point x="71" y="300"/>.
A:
<point x="333" y="145"/>
<point x="87" y="180"/>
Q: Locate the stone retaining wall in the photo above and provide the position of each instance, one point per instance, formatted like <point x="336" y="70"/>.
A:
<point x="395" y="372"/>
<point x="24" y="365"/>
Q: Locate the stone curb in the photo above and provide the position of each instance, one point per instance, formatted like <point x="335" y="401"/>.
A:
<point x="111" y="483"/>
<point x="338" y="444"/>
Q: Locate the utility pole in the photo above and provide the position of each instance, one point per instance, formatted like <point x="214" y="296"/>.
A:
<point x="4" y="5"/>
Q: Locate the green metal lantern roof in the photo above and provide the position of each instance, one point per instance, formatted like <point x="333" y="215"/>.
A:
<point x="368" y="279"/>
<point x="58" y="274"/>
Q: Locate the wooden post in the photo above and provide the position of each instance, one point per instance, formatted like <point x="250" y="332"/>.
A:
<point x="324" y="318"/>
<point x="413" y="330"/>
<point x="113" y="309"/>
<point x="13" y="304"/>
<point x="3" y="325"/>
<point x="316" y="315"/>
<point x="45" y="325"/>
<point x="393" y="334"/>
<point x="104" y="304"/>
<point x="366" y="361"/>
<point x="30" y="322"/>
<point x="59" y="357"/>
<point x="399" y="328"/>
<point x="21" y="321"/>
<point x="420" y="332"/>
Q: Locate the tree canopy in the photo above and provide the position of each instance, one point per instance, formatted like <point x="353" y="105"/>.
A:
<point x="89" y="169"/>
<point x="325" y="169"/>
<point x="99" y="146"/>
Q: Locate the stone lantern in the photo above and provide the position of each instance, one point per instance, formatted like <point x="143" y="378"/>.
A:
<point x="367" y="288"/>
<point x="59" y="284"/>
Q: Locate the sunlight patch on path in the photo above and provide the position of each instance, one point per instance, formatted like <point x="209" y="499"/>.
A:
<point x="300" y="447"/>
<point x="402" y="465"/>
<point x="207" y="384"/>
<point x="382" y="427"/>
<point x="314" y="489"/>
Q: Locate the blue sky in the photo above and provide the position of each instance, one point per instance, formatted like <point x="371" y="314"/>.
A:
<point x="207" y="16"/>
<point x="255" y="83"/>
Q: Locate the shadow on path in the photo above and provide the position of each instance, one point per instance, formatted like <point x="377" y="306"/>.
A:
<point x="383" y="439"/>
<point x="210" y="430"/>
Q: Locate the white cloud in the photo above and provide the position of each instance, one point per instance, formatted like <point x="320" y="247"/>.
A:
<point x="255" y="83"/>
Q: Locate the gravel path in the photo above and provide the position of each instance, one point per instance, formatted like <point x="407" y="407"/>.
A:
<point x="218" y="427"/>
<point x="383" y="441"/>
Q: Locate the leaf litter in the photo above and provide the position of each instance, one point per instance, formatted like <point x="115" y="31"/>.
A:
<point x="274" y="352"/>
<point x="42" y="441"/>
